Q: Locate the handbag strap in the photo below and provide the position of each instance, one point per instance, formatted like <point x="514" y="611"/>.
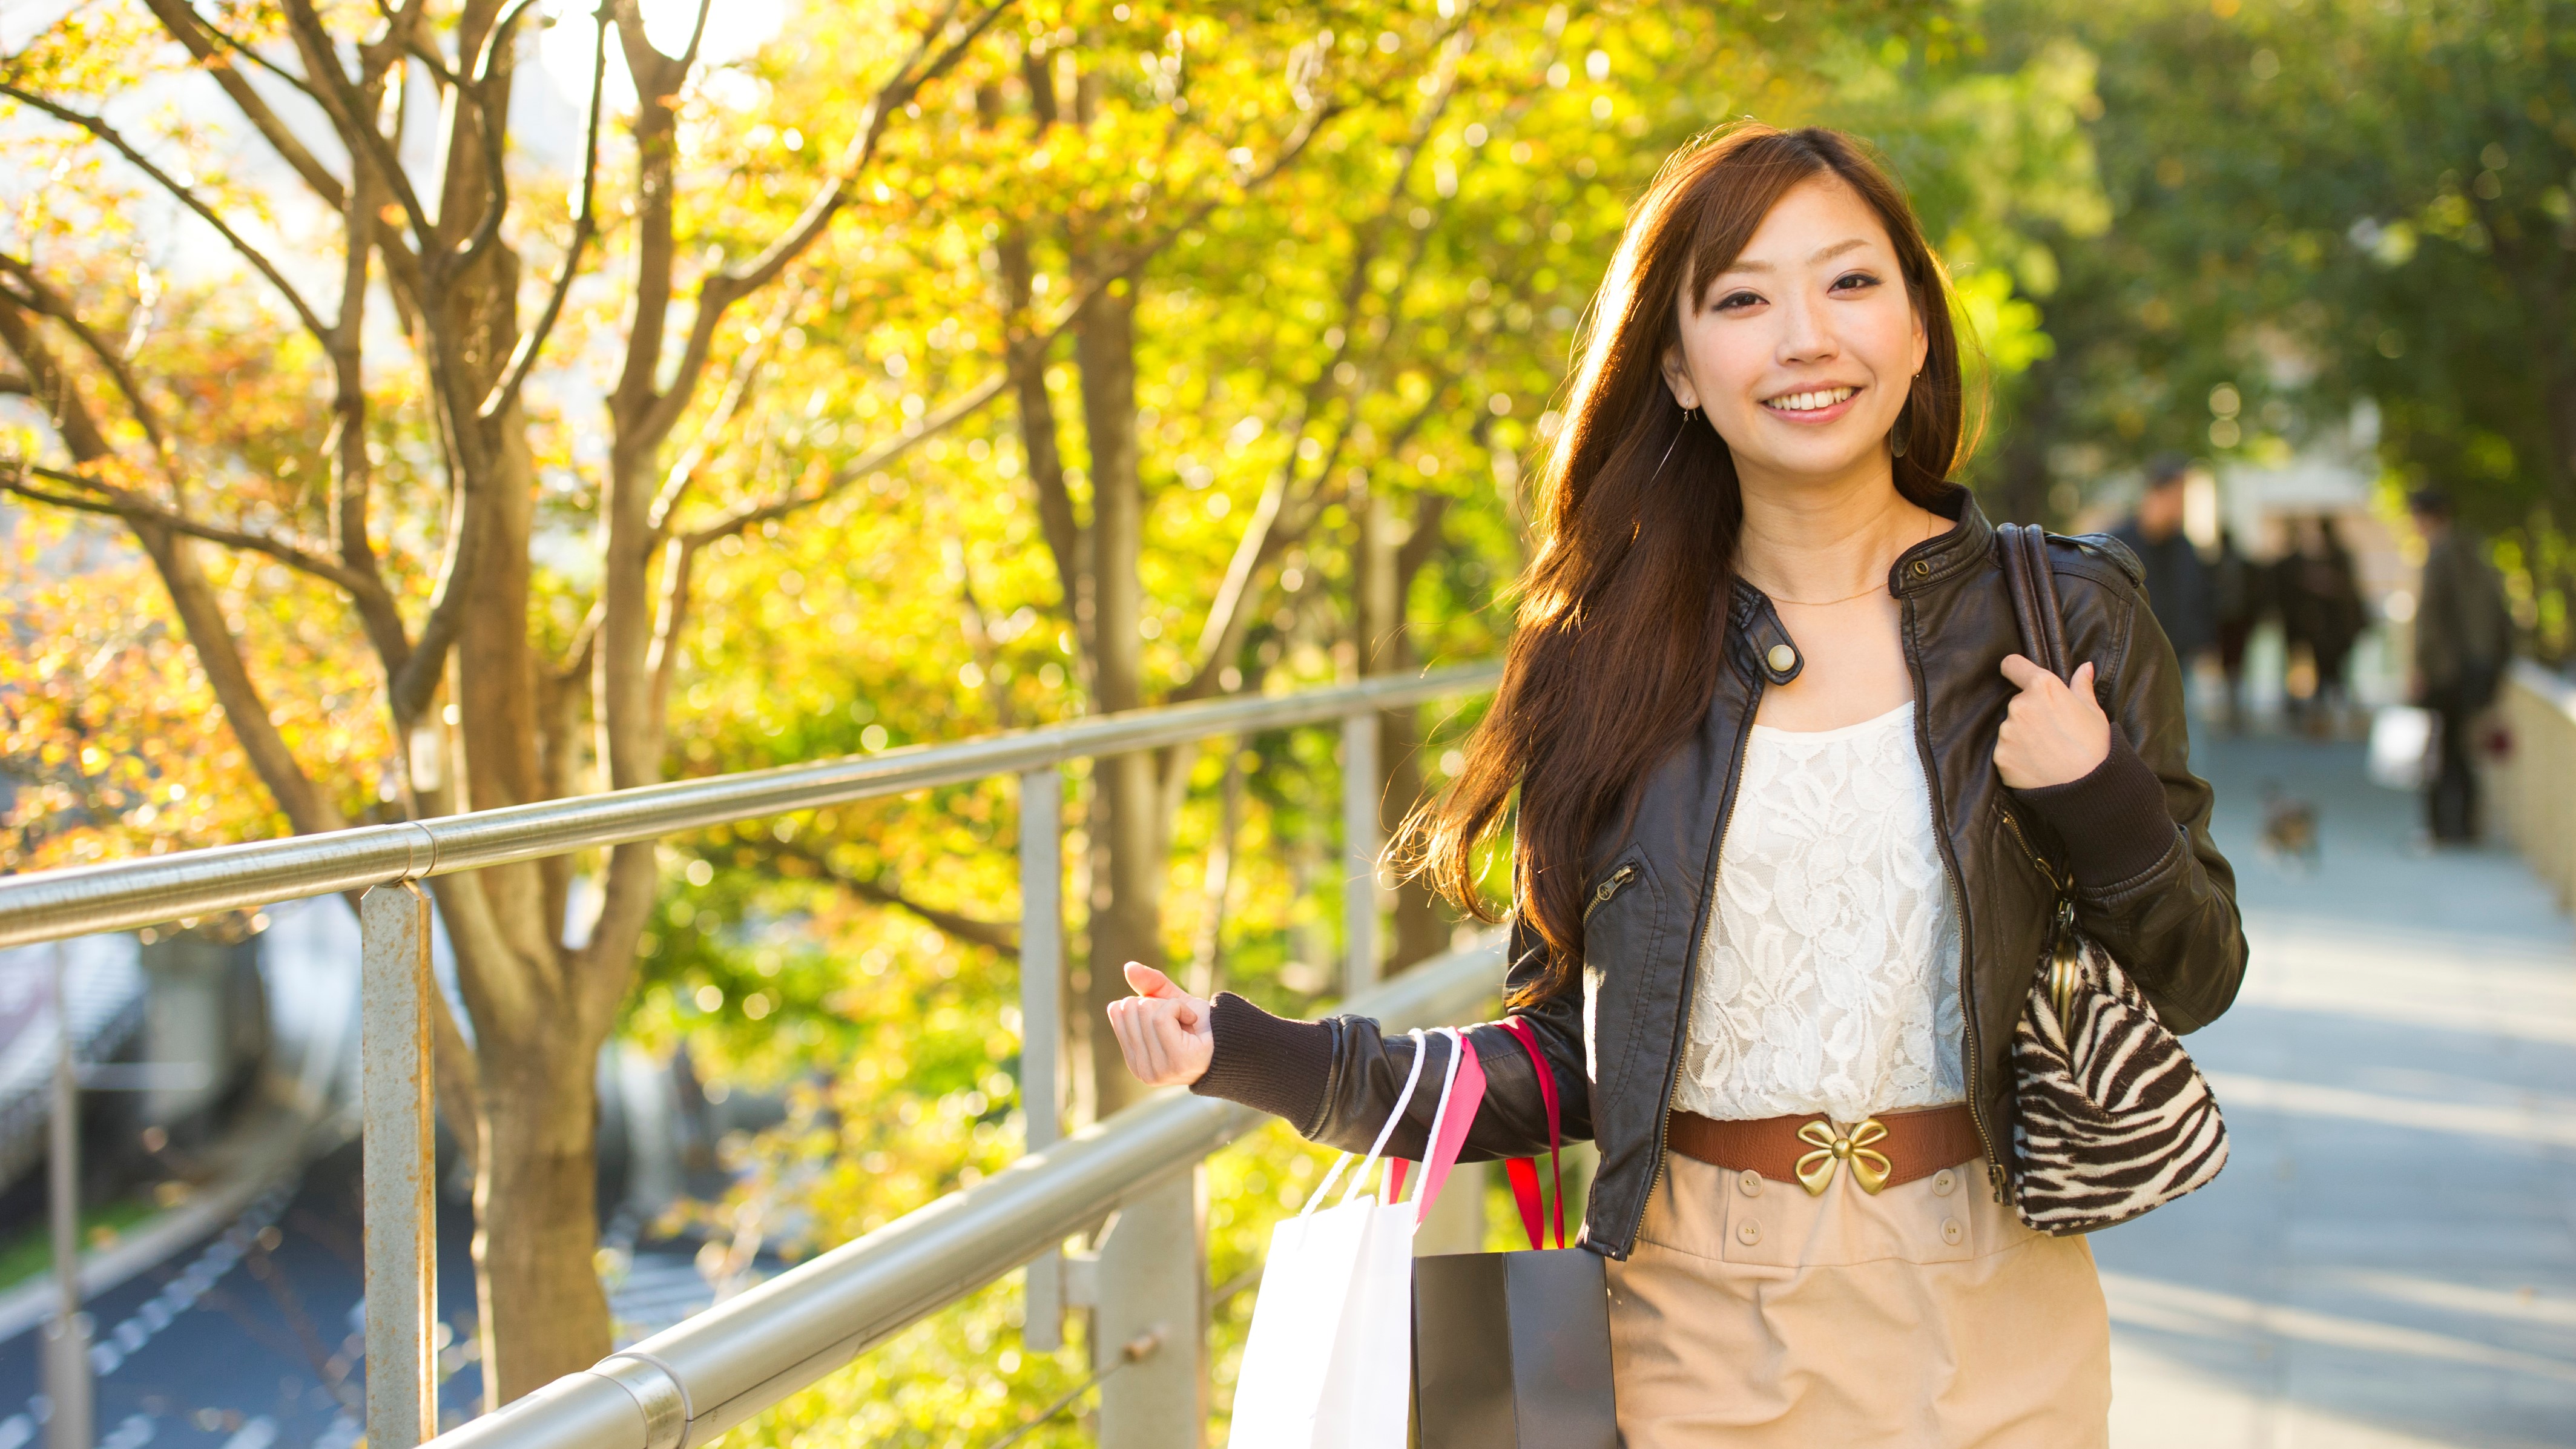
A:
<point x="1412" y="1077"/>
<point x="1522" y="1171"/>
<point x="2031" y="581"/>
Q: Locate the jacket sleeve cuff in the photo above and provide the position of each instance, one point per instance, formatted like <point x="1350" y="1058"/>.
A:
<point x="2113" y="821"/>
<point x="1267" y="1062"/>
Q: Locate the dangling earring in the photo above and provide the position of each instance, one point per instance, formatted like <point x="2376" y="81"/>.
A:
<point x="1896" y="437"/>
<point x="1687" y="414"/>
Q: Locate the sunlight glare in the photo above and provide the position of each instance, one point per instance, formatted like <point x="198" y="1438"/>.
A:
<point x="734" y="30"/>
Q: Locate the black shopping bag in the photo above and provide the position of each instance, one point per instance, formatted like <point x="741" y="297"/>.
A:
<point x="1512" y="1350"/>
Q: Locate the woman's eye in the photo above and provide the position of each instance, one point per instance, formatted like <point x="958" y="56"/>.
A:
<point x="1854" y="281"/>
<point x="1734" y="301"/>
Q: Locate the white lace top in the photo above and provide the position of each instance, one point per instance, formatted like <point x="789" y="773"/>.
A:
<point x="1829" y="979"/>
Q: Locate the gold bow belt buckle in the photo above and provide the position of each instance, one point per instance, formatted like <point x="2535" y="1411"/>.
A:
<point x="1869" y="1167"/>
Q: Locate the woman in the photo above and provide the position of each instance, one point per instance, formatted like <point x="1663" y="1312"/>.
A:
<point x="1784" y="779"/>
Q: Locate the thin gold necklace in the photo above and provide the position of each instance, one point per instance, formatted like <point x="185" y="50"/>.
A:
<point x="1847" y="598"/>
<point x="1828" y="603"/>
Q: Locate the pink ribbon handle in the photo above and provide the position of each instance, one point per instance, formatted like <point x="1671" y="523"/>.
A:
<point x="1522" y="1171"/>
<point x="1456" y="1115"/>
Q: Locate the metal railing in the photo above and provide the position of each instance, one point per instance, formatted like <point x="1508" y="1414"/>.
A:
<point x="714" y="1371"/>
<point x="2533" y="787"/>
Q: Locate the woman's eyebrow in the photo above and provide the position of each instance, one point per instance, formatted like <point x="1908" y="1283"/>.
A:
<point x="1821" y="254"/>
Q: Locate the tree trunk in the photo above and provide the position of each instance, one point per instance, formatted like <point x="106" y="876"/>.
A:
<point x="1130" y="926"/>
<point x="536" y="1217"/>
<point x="1387" y="560"/>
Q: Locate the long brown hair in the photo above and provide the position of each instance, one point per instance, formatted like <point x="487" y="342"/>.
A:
<point x="1624" y="605"/>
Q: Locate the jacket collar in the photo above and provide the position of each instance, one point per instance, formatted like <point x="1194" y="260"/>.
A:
<point x="1762" y="644"/>
<point x="1945" y="556"/>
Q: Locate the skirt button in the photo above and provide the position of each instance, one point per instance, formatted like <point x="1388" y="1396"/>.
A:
<point x="1951" y="1232"/>
<point x="1749" y="1182"/>
<point x="1944" y="1182"/>
<point x="1748" y="1232"/>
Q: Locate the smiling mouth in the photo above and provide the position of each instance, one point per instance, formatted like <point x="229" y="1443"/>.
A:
<point x="1808" y="402"/>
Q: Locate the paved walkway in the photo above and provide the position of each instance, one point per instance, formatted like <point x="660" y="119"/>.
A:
<point x="2390" y="1258"/>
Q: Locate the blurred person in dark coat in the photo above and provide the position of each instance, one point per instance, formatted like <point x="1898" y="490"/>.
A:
<point x="2178" y="583"/>
<point x="2240" y="594"/>
<point x="2463" y="640"/>
<point x="2321" y="607"/>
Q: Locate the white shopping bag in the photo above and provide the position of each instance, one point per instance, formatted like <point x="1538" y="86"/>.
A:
<point x="2401" y="737"/>
<point x="1329" y="1361"/>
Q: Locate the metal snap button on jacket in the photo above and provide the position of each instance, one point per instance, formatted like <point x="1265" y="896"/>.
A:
<point x="1782" y="658"/>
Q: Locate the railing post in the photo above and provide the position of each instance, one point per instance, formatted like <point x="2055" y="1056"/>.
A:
<point x="67" y="1376"/>
<point x="399" y="1168"/>
<point x="1359" y="851"/>
<point x="1153" y="1310"/>
<point x="1042" y="1022"/>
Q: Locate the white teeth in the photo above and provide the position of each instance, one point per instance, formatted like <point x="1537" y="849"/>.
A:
<point x="1807" y="402"/>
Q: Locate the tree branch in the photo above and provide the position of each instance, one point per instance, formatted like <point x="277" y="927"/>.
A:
<point x="994" y="935"/>
<point x="201" y="614"/>
<point x="186" y="197"/>
<point x="45" y="301"/>
<point x="192" y="30"/>
<point x="1032" y="360"/>
<point x="1219" y="636"/>
<point x="746" y="371"/>
<point x="347" y="107"/>
<point x="965" y="405"/>
<point x="585" y="222"/>
<point x="122" y="503"/>
<point x="493" y="123"/>
<point x="723" y="288"/>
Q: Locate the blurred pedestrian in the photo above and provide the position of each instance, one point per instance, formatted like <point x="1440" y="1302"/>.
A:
<point x="2463" y="639"/>
<point x="2240" y="594"/>
<point x="2321" y="610"/>
<point x="2178" y="583"/>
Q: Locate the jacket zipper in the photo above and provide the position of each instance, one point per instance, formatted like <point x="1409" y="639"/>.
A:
<point x="1958" y="905"/>
<point x="2047" y="872"/>
<point x="1616" y="882"/>
<point x="1690" y="962"/>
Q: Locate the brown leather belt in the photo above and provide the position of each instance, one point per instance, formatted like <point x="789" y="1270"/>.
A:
<point x="1888" y="1150"/>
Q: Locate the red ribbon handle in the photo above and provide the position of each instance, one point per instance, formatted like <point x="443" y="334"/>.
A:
<point x="1522" y="1171"/>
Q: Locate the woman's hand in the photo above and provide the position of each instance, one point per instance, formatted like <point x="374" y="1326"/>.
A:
<point x="2053" y="734"/>
<point x="1166" y="1034"/>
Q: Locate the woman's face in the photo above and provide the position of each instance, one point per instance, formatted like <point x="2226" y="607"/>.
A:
<point x="1803" y="350"/>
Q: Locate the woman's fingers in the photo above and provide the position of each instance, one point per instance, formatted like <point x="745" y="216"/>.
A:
<point x="2025" y="674"/>
<point x="1122" y="1024"/>
<point x="1149" y="1038"/>
<point x="1185" y="1049"/>
<point x="1164" y="1040"/>
<point x="1144" y="980"/>
<point x="2053" y="731"/>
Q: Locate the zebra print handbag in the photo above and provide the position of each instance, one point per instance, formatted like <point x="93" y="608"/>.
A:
<point x="2111" y="1119"/>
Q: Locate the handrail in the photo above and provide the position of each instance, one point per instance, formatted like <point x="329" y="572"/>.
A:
<point x="712" y="1372"/>
<point x="729" y="1383"/>
<point x="79" y="900"/>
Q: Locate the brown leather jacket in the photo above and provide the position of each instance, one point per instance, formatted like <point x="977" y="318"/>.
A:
<point x="2133" y="837"/>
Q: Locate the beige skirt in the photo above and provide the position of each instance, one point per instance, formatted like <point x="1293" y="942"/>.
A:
<point x="1752" y="1314"/>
